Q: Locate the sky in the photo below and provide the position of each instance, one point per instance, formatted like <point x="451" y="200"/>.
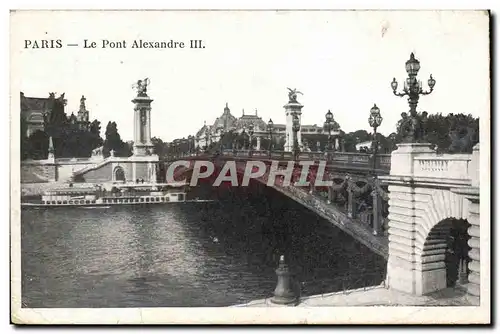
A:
<point x="343" y="61"/>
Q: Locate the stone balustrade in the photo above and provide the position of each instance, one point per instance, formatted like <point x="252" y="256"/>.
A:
<point x="450" y="166"/>
<point x="343" y="159"/>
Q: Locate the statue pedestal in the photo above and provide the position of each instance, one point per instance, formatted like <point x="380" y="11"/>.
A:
<point x="402" y="159"/>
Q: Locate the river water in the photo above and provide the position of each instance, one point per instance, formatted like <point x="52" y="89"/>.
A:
<point x="185" y="254"/>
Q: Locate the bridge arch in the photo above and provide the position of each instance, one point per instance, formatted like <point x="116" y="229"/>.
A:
<point x="436" y="207"/>
<point x="443" y="257"/>
<point x="421" y="228"/>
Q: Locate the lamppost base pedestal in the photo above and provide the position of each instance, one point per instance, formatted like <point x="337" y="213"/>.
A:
<point x="288" y="301"/>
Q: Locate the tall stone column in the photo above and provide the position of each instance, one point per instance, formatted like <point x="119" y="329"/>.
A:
<point x="292" y="108"/>
<point x="143" y="160"/>
<point x="142" y="123"/>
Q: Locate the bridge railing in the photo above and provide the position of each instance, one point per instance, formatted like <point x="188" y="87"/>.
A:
<point x="365" y="202"/>
<point x="450" y="166"/>
<point x="341" y="159"/>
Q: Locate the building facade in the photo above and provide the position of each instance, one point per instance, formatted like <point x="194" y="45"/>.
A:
<point x="81" y="119"/>
<point x="281" y="133"/>
<point x="33" y="111"/>
<point x="36" y="110"/>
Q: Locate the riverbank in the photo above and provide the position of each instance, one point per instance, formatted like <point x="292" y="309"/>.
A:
<point x="374" y="296"/>
<point x="37" y="189"/>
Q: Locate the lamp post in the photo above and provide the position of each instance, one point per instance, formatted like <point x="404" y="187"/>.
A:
<point x="375" y="120"/>
<point x="328" y="126"/>
<point x="296" y="129"/>
<point x="412" y="126"/>
<point x="270" y="128"/>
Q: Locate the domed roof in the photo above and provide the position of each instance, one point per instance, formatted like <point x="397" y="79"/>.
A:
<point x="202" y="131"/>
<point x="226" y="121"/>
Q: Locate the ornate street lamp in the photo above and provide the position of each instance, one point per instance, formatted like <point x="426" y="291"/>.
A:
<point x="328" y="126"/>
<point x="375" y="120"/>
<point x="296" y="129"/>
<point x="270" y="128"/>
<point x="412" y="125"/>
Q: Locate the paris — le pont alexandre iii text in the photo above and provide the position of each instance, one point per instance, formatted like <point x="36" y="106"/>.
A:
<point x="114" y="44"/>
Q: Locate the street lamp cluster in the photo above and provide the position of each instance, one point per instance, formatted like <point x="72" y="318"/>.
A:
<point x="412" y="125"/>
<point x="328" y="127"/>
<point x="375" y="120"/>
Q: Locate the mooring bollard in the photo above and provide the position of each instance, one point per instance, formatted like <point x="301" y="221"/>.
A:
<point x="284" y="293"/>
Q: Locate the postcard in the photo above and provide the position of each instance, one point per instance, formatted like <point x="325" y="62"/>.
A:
<point x="250" y="167"/>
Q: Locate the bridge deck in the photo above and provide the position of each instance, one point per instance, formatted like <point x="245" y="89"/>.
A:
<point x="354" y="227"/>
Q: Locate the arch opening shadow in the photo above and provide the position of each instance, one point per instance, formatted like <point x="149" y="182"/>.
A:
<point x="119" y="174"/>
<point x="444" y="257"/>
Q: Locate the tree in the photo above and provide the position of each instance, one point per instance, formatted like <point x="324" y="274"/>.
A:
<point x="159" y="147"/>
<point x="38" y="142"/>
<point x="95" y="135"/>
<point x="351" y="139"/>
<point x="56" y="122"/>
<point x="114" y="142"/>
<point x="25" y="147"/>
<point x="454" y="133"/>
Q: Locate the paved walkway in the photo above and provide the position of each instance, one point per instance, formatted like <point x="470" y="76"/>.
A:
<point x="375" y="296"/>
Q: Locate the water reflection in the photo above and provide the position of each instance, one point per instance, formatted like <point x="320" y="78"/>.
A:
<point x="165" y="255"/>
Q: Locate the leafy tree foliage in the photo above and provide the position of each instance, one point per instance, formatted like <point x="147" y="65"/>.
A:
<point x="351" y="139"/>
<point x="38" y="145"/>
<point x="454" y="133"/>
<point x="69" y="139"/>
<point x="160" y="148"/>
<point x="114" y="142"/>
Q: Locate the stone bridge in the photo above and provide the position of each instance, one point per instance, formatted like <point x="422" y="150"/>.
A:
<point x="354" y="202"/>
<point x="419" y="199"/>
<point x="416" y="208"/>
